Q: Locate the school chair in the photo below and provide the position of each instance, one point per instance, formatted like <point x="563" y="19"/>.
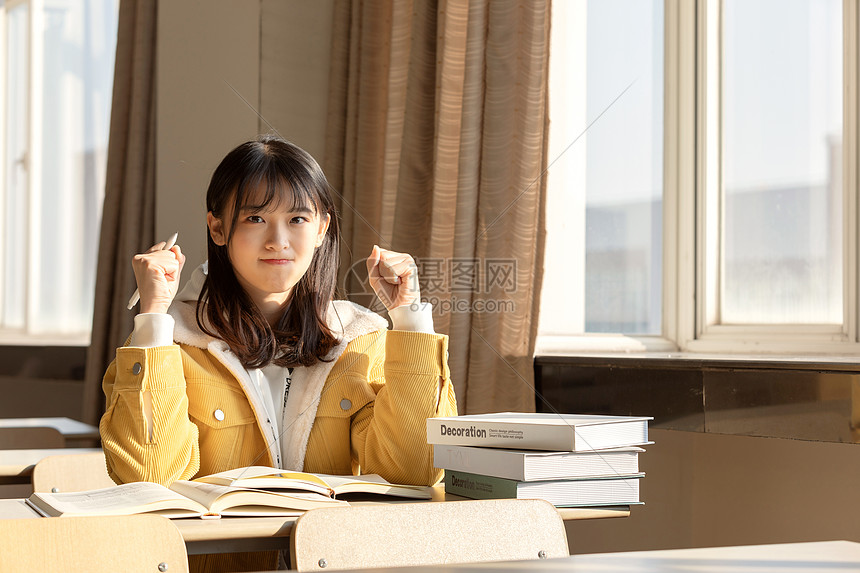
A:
<point x="431" y="533"/>
<point x="71" y="472"/>
<point x="31" y="438"/>
<point x="128" y="543"/>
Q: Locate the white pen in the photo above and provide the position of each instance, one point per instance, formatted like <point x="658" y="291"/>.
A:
<point x="167" y="246"/>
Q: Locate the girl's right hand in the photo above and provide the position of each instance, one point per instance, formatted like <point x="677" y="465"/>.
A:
<point x="157" y="274"/>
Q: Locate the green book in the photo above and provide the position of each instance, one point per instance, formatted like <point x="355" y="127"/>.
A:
<point x="575" y="492"/>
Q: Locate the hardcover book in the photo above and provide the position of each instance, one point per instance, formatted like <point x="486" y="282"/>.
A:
<point x="539" y="431"/>
<point x="575" y="492"/>
<point x="533" y="465"/>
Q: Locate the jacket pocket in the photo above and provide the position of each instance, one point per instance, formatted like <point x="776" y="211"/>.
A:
<point x="225" y="422"/>
<point x="218" y="406"/>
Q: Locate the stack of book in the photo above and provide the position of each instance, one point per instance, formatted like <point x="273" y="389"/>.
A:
<point x="570" y="460"/>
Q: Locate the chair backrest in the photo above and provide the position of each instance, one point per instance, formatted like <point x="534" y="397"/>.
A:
<point x="71" y="472"/>
<point x="431" y="533"/>
<point x="31" y="438"/>
<point x="149" y="543"/>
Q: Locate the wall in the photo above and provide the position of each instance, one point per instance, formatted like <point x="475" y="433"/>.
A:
<point x="228" y="71"/>
<point x="208" y="62"/>
<point x="41" y="381"/>
<point x="704" y="490"/>
<point x="295" y="50"/>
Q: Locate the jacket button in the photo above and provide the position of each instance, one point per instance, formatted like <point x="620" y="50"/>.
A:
<point x="345" y="404"/>
<point x="219" y="414"/>
<point x="136" y="368"/>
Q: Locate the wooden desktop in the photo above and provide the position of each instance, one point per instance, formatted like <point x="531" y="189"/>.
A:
<point x="76" y="433"/>
<point x="16" y="466"/>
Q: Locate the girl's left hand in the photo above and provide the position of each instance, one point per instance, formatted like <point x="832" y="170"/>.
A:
<point x="394" y="277"/>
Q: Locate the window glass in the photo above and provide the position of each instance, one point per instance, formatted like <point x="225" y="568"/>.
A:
<point x="603" y="271"/>
<point x="14" y="207"/>
<point x="79" y="45"/>
<point x="782" y="162"/>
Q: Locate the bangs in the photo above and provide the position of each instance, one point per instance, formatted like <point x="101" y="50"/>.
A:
<point x="270" y="184"/>
<point x="267" y="193"/>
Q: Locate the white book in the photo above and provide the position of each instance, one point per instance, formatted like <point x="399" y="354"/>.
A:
<point x="532" y="465"/>
<point x="539" y="431"/>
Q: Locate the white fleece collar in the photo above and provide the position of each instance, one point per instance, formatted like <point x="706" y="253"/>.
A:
<point x="346" y="320"/>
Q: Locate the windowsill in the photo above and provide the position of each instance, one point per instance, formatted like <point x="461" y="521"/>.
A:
<point x="701" y="360"/>
<point x="19" y="339"/>
<point x="653" y="350"/>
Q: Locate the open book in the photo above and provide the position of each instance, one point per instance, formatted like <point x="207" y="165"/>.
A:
<point x="181" y="499"/>
<point x="261" y="477"/>
<point x="198" y="498"/>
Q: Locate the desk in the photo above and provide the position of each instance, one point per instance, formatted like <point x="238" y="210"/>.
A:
<point x="264" y="533"/>
<point x="814" y="557"/>
<point x="76" y="433"/>
<point x="16" y="466"/>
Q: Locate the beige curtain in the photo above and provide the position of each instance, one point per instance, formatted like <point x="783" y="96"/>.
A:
<point x="437" y="145"/>
<point x="128" y="218"/>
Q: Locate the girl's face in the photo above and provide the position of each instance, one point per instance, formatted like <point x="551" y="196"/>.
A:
<point x="271" y="248"/>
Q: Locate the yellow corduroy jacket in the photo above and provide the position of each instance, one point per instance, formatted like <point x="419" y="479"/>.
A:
<point x="364" y="411"/>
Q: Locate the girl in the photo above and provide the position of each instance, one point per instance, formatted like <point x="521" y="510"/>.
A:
<point x="253" y="363"/>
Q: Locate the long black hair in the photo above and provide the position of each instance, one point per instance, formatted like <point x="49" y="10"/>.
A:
<point x="224" y="309"/>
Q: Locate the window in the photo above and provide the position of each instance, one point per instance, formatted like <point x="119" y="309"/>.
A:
<point x="58" y="66"/>
<point x="606" y="174"/>
<point x="712" y="206"/>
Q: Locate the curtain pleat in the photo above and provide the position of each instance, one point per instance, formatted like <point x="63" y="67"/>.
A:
<point x="128" y="216"/>
<point x="437" y="144"/>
